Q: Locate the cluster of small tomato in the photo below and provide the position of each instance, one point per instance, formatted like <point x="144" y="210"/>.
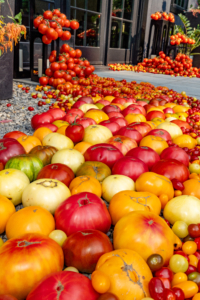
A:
<point x="163" y="64"/>
<point x="51" y="25"/>
<point x="179" y="38"/>
<point x="68" y="69"/>
<point x="164" y="16"/>
<point x="181" y="279"/>
<point x="120" y="67"/>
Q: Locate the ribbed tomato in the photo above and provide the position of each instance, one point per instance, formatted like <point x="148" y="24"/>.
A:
<point x="146" y="154"/>
<point x="8" y="148"/>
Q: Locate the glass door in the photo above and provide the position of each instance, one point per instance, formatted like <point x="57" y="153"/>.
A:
<point x="121" y="31"/>
<point x="90" y="37"/>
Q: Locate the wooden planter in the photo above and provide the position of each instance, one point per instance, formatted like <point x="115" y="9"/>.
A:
<point x="6" y="60"/>
<point x="194" y="21"/>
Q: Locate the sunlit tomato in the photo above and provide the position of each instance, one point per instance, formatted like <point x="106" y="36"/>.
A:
<point x="146" y="154"/>
<point x="75" y="132"/>
<point x="66" y="36"/>
<point x="74" y="24"/>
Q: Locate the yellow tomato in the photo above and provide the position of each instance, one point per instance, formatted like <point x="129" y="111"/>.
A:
<point x="97" y="115"/>
<point x="109" y="98"/>
<point x="178" y="278"/>
<point x="154" y="142"/>
<point x="60" y="123"/>
<point x="180" y="108"/>
<point x="185" y="141"/>
<point x="130" y="118"/>
<point x="158" y="121"/>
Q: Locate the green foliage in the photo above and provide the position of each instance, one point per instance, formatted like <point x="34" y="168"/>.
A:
<point x="17" y="19"/>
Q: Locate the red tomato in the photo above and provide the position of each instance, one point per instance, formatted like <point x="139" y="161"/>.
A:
<point x="7" y="297"/>
<point x="146" y="154"/>
<point x="67" y="23"/>
<point x="57" y="113"/>
<point x="70" y="283"/>
<point x="9" y="147"/>
<point x="75" y="132"/>
<point x="164" y="273"/>
<point x="161" y="133"/>
<point x="14" y="135"/>
<point x="72" y="53"/>
<point x="85" y="122"/>
<point x="156" y="289"/>
<point x="59" y="32"/>
<point x="104" y="153"/>
<point x="42" y="28"/>
<point x="113" y="126"/>
<point x="48" y="15"/>
<point x="179" y="293"/>
<point x="93" y="244"/>
<point x="49" y="72"/>
<point x="57" y="171"/>
<point x="70" y="218"/>
<point x="37" y="21"/>
<point x="55" y="66"/>
<point x="74" y="24"/>
<point x="51" y="34"/>
<point x="58" y="74"/>
<point x="171" y="169"/>
<point x="52" y="58"/>
<point x="46" y="40"/>
<point x="44" y="80"/>
<point x="78" y="53"/>
<point x="175" y="153"/>
<point x="41" y="119"/>
<point x="131" y="133"/>
<point x="56" y="12"/>
<point x="119" y="120"/>
<point x="66" y="36"/>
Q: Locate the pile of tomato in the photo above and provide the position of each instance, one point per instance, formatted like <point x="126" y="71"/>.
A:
<point x="110" y="187"/>
<point x="179" y="38"/>
<point x="163" y="16"/>
<point x="69" y="68"/>
<point x="51" y="25"/>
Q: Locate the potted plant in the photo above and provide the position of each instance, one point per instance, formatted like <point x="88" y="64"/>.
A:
<point x="10" y="34"/>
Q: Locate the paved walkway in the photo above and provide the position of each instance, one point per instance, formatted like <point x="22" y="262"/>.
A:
<point x="190" y="85"/>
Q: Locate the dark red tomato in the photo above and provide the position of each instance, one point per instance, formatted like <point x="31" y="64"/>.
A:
<point x="156" y="289"/>
<point x="177" y="185"/>
<point x="108" y="296"/>
<point x="74" y="24"/>
<point x="86" y="99"/>
<point x="57" y="171"/>
<point x="109" y="108"/>
<point x="46" y="40"/>
<point x="179" y="293"/>
<point x="48" y="15"/>
<point x="57" y="113"/>
<point x="104" y="153"/>
<point x="113" y="126"/>
<point x="52" y="127"/>
<point x="49" y="72"/>
<point x="164" y="272"/>
<point x="85" y="122"/>
<point x="161" y="133"/>
<point x="88" y="71"/>
<point x="191" y="269"/>
<point x="44" y="80"/>
<point x="93" y="245"/>
<point x="130" y="167"/>
<point x="146" y="154"/>
<point x="175" y="153"/>
<point x="55" y="66"/>
<point x="75" y="132"/>
<point x="194" y="230"/>
<point x="8" y="148"/>
<point x="66" y="35"/>
<point x="41" y="119"/>
<point x="121" y="121"/>
<point x="51" y="81"/>
<point x="166" y="282"/>
<point x="14" y="135"/>
<point x="130" y="110"/>
<point x="172" y="169"/>
<point x="77" y="111"/>
<point x="131" y="133"/>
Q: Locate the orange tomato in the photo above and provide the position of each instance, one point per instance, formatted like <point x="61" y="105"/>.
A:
<point x="60" y="123"/>
<point x="130" y="118"/>
<point x="41" y="132"/>
<point x="196" y="297"/>
<point x="177" y="193"/>
<point x="189" y="288"/>
<point x="62" y="129"/>
<point x="178" y="243"/>
<point x="100" y="282"/>
<point x="178" y="278"/>
<point x="189" y="247"/>
<point x="163" y="199"/>
<point x="154" y="142"/>
<point x="125" y="202"/>
<point x="152" y="124"/>
<point x="85" y="184"/>
<point x="29" y="142"/>
<point x="192" y="188"/>
<point x="97" y="115"/>
<point x="193" y="260"/>
<point x="7" y="209"/>
<point x="82" y="147"/>
<point x="33" y="219"/>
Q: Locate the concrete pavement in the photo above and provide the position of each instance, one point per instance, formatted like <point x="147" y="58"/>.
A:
<point x="190" y="85"/>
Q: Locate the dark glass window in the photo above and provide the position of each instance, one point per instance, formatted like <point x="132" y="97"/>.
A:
<point x="121" y="23"/>
<point x="178" y="6"/>
<point x="88" y="33"/>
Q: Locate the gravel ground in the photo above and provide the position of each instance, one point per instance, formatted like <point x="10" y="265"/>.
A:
<point x="17" y="116"/>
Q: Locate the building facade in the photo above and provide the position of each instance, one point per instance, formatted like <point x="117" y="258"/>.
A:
<point x="110" y="30"/>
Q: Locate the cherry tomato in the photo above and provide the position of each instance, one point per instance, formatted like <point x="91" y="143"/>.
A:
<point x="179" y="293"/>
<point x="189" y="247"/>
<point x="155" y="262"/>
<point x="190" y="269"/>
<point x="169" y="294"/>
<point x="48" y="15"/>
<point x="178" y="278"/>
<point x="178" y="263"/>
<point x="156" y="289"/>
<point x="194" y="230"/>
<point x="30" y="108"/>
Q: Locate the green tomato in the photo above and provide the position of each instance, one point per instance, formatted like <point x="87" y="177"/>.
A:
<point x="180" y="228"/>
<point x="178" y="263"/>
<point x="1" y="242"/>
<point x="58" y="236"/>
<point x="194" y="168"/>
